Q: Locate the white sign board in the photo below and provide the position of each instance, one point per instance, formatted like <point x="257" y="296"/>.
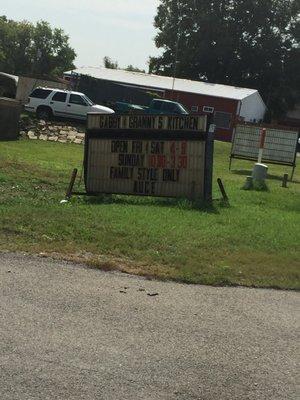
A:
<point x="146" y="167"/>
<point x="279" y="148"/>
<point x="164" y="156"/>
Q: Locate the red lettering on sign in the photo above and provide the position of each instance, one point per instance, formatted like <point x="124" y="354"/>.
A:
<point x="161" y="161"/>
<point x="183" y="148"/>
<point x="157" y="161"/>
<point x="182" y="162"/>
<point x="172" y="162"/>
<point x="152" y="161"/>
<point x="173" y="148"/>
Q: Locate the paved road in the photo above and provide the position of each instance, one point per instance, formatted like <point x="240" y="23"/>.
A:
<point x="69" y="332"/>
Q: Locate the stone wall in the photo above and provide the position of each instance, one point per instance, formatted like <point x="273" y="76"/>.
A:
<point x="54" y="131"/>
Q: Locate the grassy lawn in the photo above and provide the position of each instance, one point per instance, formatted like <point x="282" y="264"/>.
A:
<point x="254" y="242"/>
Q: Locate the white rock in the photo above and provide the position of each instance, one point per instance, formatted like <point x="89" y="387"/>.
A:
<point x="43" y="137"/>
<point x="32" y="135"/>
<point x="52" y="138"/>
<point x="72" y="133"/>
<point x="78" y="141"/>
<point x="80" y="135"/>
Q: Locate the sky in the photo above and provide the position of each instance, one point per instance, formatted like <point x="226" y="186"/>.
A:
<point x="120" y="29"/>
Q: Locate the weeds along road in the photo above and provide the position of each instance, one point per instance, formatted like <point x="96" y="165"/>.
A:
<point x="69" y="332"/>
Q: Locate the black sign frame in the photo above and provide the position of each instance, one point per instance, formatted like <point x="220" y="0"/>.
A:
<point x="153" y="134"/>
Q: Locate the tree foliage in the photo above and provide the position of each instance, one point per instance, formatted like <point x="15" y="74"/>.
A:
<point x="28" y="49"/>
<point x="131" y="68"/>
<point x="251" y="43"/>
<point x="109" y="63"/>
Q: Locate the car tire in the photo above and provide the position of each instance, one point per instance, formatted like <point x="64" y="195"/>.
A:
<point x="44" y="113"/>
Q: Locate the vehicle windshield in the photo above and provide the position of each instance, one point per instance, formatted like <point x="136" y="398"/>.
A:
<point x="182" y="109"/>
<point x="89" y="101"/>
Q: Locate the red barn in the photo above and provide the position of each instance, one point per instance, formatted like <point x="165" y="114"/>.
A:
<point x="225" y="103"/>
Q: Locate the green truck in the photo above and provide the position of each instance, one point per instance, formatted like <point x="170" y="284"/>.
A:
<point x="157" y="106"/>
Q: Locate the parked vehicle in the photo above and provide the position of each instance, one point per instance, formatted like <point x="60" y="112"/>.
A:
<point x="121" y="107"/>
<point x="47" y="102"/>
<point x="157" y="106"/>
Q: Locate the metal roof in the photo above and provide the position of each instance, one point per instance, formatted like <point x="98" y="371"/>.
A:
<point x="164" y="82"/>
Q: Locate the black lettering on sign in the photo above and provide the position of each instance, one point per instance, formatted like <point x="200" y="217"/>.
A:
<point x="171" y="175"/>
<point x="137" y="147"/>
<point x="147" y="174"/>
<point x="121" y="173"/>
<point x="171" y="123"/>
<point x="142" y="122"/>
<point x="131" y="160"/>
<point x="181" y="123"/>
<point x="111" y="122"/>
<point x="142" y="187"/>
<point x="119" y="146"/>
<point x="160" y="122"/>
<point x="157" y="147"/>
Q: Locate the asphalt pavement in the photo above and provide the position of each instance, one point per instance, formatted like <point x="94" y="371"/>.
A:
<point x="71" y="332"/>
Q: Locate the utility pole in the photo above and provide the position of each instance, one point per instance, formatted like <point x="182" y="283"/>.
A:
<point x="177" y="47"/>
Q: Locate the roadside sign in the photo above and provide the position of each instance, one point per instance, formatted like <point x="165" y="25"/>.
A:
<point x="147" y="122"/>
<point x="279" y="147"/>
<point x="150" y="155"/>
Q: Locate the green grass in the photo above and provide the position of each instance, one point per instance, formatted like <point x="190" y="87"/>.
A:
<point x="254" y="242"/>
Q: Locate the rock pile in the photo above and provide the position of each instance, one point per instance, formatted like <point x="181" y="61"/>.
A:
<point x="54" y="132"/>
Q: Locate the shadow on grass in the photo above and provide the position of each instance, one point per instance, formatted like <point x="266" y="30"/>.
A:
<point x="182" y="204"/>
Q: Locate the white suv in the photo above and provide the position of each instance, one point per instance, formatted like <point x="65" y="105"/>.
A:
<point x="47" y="102"/>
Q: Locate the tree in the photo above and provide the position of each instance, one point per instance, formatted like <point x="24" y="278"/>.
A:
<point x="131" y="68"/>
<point x="251" y="43"/>
<point x="109" y="63"/>
<point x="28" y="49"/>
